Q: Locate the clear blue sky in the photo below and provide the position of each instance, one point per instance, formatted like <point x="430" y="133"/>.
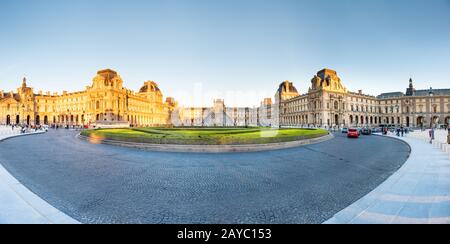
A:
<point x="225" y="45"/>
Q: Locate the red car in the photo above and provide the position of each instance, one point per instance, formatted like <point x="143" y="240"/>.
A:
<point x="353" y="133"/>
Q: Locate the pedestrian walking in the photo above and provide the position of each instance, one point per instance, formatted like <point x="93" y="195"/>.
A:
<point x="402" y="130"/>
<point x="431" y="133"/>
<point x="448" y="136"/>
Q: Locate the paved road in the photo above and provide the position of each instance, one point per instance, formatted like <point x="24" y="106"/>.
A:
<point x="107" y="184"/>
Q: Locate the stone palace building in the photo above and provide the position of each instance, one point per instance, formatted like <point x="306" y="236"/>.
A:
<point x="326" y="104"/>
<point x="106" y="102"/>
<point x="329" y="104"/>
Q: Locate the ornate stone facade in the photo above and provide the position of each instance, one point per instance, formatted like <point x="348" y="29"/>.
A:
<point x="216" y="116"/>
<point x="328" y="103"/>
<point x="105" y="102"/>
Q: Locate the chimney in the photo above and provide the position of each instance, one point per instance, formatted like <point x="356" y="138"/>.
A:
<point x="360" y="92"/>
<point x="47" y="93"/>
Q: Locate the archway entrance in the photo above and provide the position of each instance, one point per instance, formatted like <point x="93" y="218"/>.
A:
<point x="28" y="120"/>
<point x="17" y="119"/>
<point x="407" y="121"/>
<point x="336" y="120"/>
<point x="8" y="120"/>
<point x="435" y="121"/>
<point x="38" y="120"/>
<point x="447" y="121"/>
<point x="46" y="120"/>
<point x="420" y="122"/>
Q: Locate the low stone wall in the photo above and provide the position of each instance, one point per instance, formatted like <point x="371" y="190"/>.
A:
<point x="5" y="137"/>
<point x="212" y="148"/>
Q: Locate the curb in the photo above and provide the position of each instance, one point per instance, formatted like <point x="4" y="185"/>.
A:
<point x="212" y="148"/>
<point x="20" y="135"/>
<point x="22" y="206"/>
<point x="348" y="214"/>
<point x="412" y="195"/>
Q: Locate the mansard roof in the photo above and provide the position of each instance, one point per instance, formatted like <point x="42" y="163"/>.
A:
<point x="417" y="93"/>
<point x="8" y="96"/>
<point x="149" y="86"/>
<point x="390" y="95"/>
<point x="436" y="92"/>
<point x="324" y="73"/>
<point x="287" y="86"/>
<point x="107" y="73"/>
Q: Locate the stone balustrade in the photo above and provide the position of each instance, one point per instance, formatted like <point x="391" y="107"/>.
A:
<point x="8" y="131"/>
<point x="440" y="140"/>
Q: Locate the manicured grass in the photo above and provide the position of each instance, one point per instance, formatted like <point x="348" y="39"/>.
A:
<point x="206" y="136"/>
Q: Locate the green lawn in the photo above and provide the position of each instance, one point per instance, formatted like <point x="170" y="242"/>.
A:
<point x="207" y="136"/>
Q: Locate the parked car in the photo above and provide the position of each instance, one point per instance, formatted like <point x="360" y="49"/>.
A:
<point x="377" y="130"/>
<point x="359" y="130"/>
<point x="353" y="133"/>
<point x="344" y="130"/>
<point x="366" y="131"/>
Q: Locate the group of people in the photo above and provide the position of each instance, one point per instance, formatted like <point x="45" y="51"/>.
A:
<point x="24" y="128"/>
<point x="399" y="131"/>
<point x="67" y="127"/>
